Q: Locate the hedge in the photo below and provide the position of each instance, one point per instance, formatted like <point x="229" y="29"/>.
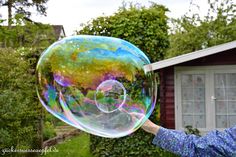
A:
<point x="138" y="144"/>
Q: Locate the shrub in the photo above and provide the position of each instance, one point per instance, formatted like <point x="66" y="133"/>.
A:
<point x="137" y="144"/>
<point x="48" y="131"/>
<point x="190" y="130"/>
<point x="20" y="112"/>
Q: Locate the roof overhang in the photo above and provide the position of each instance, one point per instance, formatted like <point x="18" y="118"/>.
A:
<point x="190" y="56"/>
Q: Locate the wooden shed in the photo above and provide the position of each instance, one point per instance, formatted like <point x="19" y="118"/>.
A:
<point x="199" y="88"/>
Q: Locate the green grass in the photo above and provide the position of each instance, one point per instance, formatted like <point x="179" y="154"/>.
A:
<point x="75" y="147"/>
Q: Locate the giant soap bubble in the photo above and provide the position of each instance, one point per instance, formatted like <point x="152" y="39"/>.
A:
<point x="97" y="84"/>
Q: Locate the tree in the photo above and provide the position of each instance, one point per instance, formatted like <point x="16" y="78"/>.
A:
<point x="192" y="32"/>
<point x="22" y="7"/>
<point x="144" y="27"/>
<point x="26" y="33"/>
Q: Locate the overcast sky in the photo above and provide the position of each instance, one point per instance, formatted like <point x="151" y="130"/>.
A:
<point x="71" y="13"/>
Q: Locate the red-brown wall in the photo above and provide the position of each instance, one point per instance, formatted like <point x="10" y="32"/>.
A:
<point x="167" y="82"/>
<point x="167" y="97"/>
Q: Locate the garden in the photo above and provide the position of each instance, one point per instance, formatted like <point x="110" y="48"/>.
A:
<point x="24" y="122"/>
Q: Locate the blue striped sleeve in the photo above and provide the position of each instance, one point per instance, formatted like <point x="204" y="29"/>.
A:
<point x="215" y="143"/>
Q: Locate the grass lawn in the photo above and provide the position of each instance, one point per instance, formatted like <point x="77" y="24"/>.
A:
<point x="75" y="147"/>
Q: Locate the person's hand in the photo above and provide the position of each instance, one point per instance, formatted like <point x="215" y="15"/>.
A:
<point x="150" y="127"/>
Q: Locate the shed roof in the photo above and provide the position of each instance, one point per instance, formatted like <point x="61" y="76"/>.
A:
<point x="190" y="56"/>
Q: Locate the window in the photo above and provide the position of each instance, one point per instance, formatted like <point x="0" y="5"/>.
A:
<point x="205" y="97"/>
<point x="225" y="101"/>
<point x="193" y="100"/>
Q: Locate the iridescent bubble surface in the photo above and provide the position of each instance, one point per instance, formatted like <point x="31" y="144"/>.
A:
<point x="96" y="84"/>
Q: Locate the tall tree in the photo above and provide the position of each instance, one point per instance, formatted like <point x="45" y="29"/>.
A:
<point x="193" y="32"/>
<point x="23" y="6"/>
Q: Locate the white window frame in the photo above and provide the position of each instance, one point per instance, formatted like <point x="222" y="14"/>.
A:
<point x="208" y="71"/>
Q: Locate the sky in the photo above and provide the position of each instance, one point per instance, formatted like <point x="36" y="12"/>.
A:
<point x="71" y="13"/>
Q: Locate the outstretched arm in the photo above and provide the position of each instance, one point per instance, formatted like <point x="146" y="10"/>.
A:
<point x="214" y="143"/>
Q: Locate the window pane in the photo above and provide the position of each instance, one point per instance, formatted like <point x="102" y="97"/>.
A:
<point x="199" y="94"/>
<point x="231" y="93"/>
<point x="232" y="121"/>
<point x="187" y="107"/>
<point x="225" y="92"/>
<point x="232" y="107"/>
<point x="232" y="79"/>
<point x="199" y="107"/>
<point x="187" y="120"/>
<point x="193" y="100"/>
<point x="221" y="121"/>
<point x="187" y="94"/>
<point x="220" y="93"/>
<point x="221" y="107"/>
<point x="220" y="80"/>
<point x="200" y="121"/>
<point x="199" y="81"/>
<point x="187" y="80"/>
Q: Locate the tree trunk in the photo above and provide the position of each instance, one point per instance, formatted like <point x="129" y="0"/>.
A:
<point x="9" y="6"/>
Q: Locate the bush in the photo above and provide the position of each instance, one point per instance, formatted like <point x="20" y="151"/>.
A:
<point x="20" y="112"/>
<point x="137" y="144"/>
<point x="190" y="130"/>
<point x="48" y="131"/>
